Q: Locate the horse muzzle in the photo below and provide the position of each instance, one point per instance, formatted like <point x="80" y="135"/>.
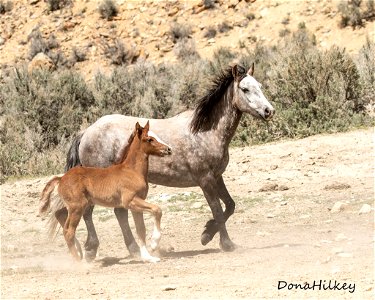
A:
<point x="167" y="151"/>
<point x="268" y="113"/>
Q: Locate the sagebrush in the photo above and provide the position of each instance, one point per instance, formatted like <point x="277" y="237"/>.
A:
<point x="313" y="91"/>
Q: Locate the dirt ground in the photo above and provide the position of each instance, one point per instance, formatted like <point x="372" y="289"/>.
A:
<point x="283" y="226"/>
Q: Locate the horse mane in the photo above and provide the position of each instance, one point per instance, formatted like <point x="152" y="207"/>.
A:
<point x="205" y="116"/>
<point x="124" y="152"/>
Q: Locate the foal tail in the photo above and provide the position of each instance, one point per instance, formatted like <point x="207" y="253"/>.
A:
<point x="72" y="158"/>
<point x="45" y="200"/>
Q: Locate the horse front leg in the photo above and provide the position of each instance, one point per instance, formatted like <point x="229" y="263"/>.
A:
<point x="122" y="218"/>
<point x="214" y="190"/>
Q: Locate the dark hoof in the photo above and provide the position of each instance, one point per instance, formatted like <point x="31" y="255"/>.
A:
<point x="134" y="249"/>
<point x="90" y="255"/>
<point x="211" y="227"/>
<point x="206" y="238"/>
<point x="227" y="246"/>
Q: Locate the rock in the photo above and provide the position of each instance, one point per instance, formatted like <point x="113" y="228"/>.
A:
<point x="337" y="186"/>
<point x="262" y="233"/>
<point x="169" y="288"/>
<point x="268" y="187"/>
<point x="2" y="41"/>
<point x="197" y="205"/>
<point x="32" y="2"/>
<point x="338" y="206"/>
<point x="340" y="237"/>
<point x="173" y="12"/>
<point x="40" y="61"/>
<point x="365" y="209"/>
<point x="273" y="187"/>
<point x="345" y="255"/>
<point x="232" y="3"/>
<point x="270" y="216"/>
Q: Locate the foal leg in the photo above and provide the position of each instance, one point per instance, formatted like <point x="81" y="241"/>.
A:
<point x="212" y="227"/>
<point x="122" y="218"/>
<point x="61" y="216"/>
<point x="141" y="232"/>
<point x="212" y="193"/>
<point x="139" y="205"/>
<point x="74" y="216"/>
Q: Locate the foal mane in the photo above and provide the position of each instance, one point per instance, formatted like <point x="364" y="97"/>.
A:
<point x="205" y="116"/>
<point x="125" y="150"/>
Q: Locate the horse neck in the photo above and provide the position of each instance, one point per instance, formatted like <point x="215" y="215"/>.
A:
<point x="136" y="159"/>
<point x="229" y="117"/>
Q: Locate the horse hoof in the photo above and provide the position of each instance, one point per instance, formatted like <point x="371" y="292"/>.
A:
<point x="206" y="238"/>
<point x="227" y="246"/>
<point x="90" y="255"/>
<point x="133" y="249"/>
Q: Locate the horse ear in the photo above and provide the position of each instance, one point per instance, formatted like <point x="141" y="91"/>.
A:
<point x="138" y="128"/>
<point x="251" y="70"/>
<point x="147" y="127"/>
<point x="238" y="72"/>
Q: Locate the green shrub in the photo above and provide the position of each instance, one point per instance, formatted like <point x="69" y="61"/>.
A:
<point x="108" y="9"/>
<point x="313" y="91"/>
<point x="210" y="32"/>
<point x="353" y="13"/>
<point x="119" y="54"/>
<point x="185" y="49"/>
<point x="5" y="7"/>
<point x="57" y="4"/>
<point x="180" y="31"/>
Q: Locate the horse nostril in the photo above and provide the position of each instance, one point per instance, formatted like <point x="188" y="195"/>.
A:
<point x="268" y="112"/>
<point x="169" y="150"/>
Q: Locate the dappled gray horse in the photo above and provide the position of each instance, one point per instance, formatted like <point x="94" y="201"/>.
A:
<point x="199" y="140"/>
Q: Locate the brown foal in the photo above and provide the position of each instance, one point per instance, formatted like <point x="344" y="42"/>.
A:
<point x="121" y="185"/>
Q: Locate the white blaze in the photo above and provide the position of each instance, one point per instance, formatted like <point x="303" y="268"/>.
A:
<point x="156" y="137"/>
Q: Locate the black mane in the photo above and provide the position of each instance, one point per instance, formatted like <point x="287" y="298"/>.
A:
<point x="205" y="115"/>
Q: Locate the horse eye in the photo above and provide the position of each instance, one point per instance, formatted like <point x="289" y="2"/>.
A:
<point x="149" y="140"/>
<point x="245" y="90"/>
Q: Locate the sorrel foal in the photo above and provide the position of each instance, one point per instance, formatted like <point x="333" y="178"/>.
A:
<point x="121" y="185"/>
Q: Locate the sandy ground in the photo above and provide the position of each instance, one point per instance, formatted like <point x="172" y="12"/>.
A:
<point x="283" y="226"/>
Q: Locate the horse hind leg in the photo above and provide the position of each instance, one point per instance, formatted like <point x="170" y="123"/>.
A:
<point x="214" y="190"/>
<point x="61" y="216"/>
<point x="122" y="218"/>
<point x="92" y="241"/>
<point x="72" y="221"/>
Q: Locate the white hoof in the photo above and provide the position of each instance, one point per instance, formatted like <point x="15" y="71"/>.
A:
<point x="147" y="256"/>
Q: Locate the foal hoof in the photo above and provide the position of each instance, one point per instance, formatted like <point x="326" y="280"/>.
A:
<point x="227" y="246"/>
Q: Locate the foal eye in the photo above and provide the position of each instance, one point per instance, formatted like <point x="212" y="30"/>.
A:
<point x="149" y="140"/>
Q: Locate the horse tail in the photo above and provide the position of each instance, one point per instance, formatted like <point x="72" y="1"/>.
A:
<point x="72" y="158"/>
<point x="45" y="200"/>
<point x="57" y="205"/>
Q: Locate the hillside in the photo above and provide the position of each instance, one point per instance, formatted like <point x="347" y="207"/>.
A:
<point x="144" y="29"/>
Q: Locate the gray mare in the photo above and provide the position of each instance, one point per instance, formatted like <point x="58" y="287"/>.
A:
<point x="199" y="140"/>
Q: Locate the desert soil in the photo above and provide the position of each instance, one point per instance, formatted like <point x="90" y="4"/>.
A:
<point x="283" y="226"/>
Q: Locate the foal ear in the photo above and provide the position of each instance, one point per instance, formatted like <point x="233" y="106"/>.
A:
<point x="138" y="128"/>
<point x="238" y="72"/>
<point x="147" y="127"/>
<point x="251" y="70"/>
